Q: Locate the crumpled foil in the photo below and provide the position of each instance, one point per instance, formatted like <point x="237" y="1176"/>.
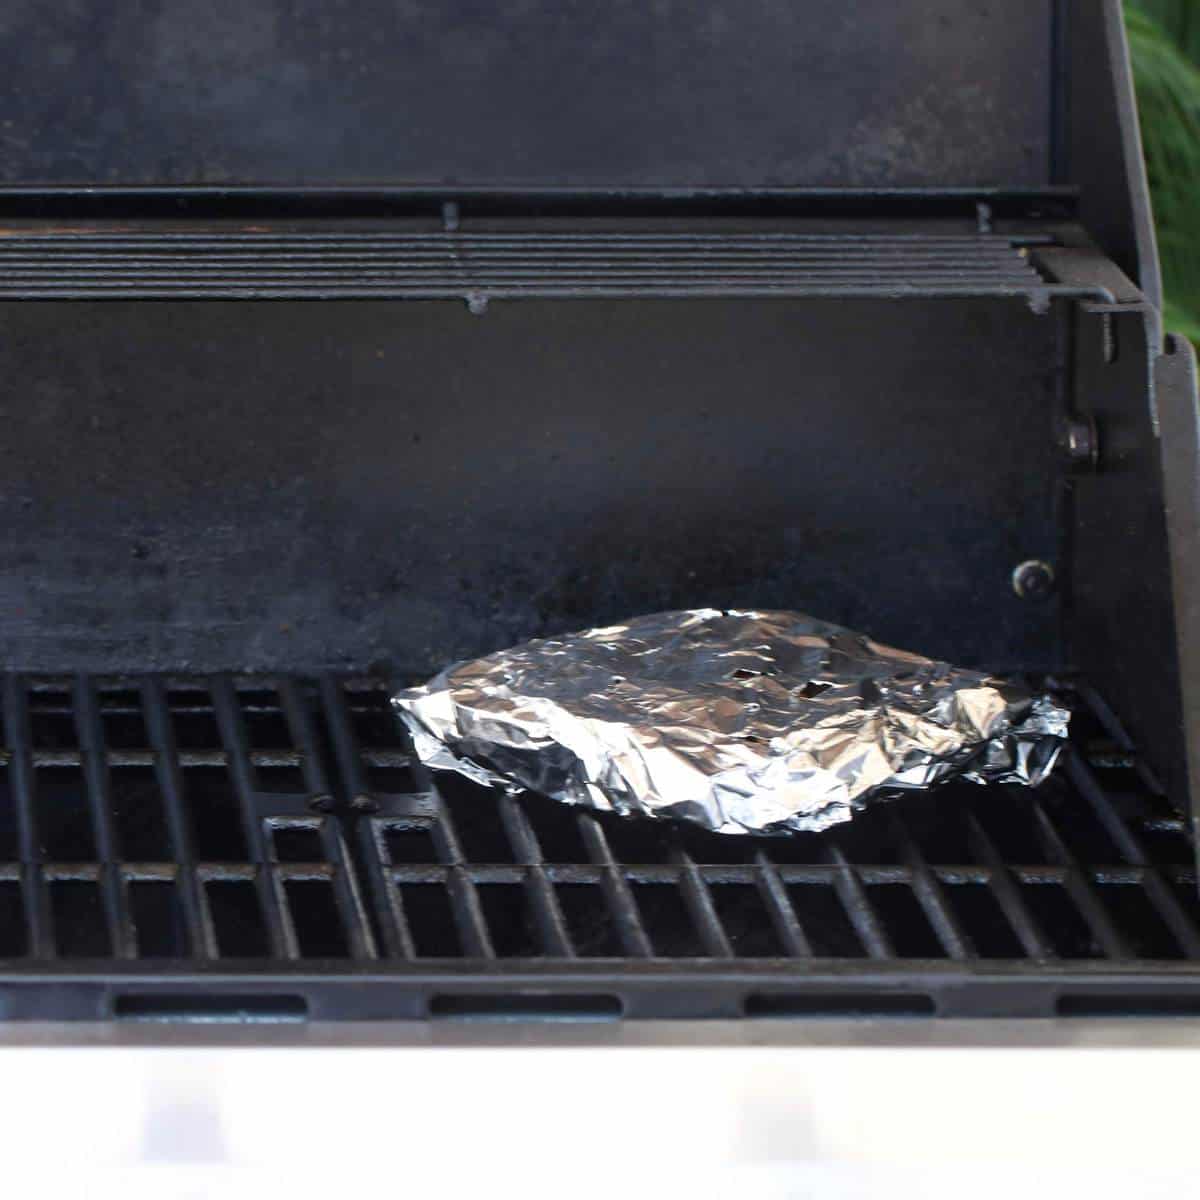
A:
<point x="742" y="722"/>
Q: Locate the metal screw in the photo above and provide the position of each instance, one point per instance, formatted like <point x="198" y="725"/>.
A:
<point x="1081" y="441"/>
<point x="1033" y="579"/>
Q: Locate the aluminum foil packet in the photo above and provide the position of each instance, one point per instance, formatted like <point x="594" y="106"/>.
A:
<point x="742" y="722"/>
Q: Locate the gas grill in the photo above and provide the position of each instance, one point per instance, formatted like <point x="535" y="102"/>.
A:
<point x="452" y="328"/>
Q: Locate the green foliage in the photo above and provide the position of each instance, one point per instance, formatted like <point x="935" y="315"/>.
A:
<point x="1164" y="43"/>
<point x="1179" y="19"/>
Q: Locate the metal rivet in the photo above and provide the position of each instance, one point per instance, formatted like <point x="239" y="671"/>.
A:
<point x="1033" y="579"/>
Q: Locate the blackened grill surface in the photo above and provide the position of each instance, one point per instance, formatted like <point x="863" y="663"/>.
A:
<point x="219" y="834"/>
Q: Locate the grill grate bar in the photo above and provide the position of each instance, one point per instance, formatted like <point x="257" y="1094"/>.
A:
<point x="394" y="934"/>
<point x="791" y="935"/>
<point x="1097" y="706"/>
<point x="627" y="919"/>
<point x="196" y="915"/>
<point x="464" y="899"/>
<point x="1078" y="886"/>
<point x="280" y="930"/>
<point x="91" y="742"/>
<point x="1160" y="896"/>
<point x="1008" y="893"/>
<point x="21" y="771"/>
<point x="701" y="908"/>
<point x="928" y="889"/>
<point x="863" y="916"/>
<point x="552" y="925"/>
<point x="349" y="903"/>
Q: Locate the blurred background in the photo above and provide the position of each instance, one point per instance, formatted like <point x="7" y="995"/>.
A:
<point x="1164" y="41"/>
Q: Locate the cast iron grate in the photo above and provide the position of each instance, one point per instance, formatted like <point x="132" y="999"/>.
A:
<point x="254" y="828"/>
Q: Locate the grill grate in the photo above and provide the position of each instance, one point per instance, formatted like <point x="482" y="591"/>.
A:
<point x="280" y="829"/>
<point x="479" y="266"/>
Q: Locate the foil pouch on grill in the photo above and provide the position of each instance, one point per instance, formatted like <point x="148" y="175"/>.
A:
<point x="739" y="721"/>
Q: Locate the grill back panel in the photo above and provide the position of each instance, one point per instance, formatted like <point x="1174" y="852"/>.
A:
<point x="260" y="485"/>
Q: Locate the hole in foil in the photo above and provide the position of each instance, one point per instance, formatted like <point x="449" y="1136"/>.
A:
<point x="814" y="688"/>
<point x="745" y="673"/>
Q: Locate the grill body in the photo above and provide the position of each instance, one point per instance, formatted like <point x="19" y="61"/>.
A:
<point x="302" y="402"/>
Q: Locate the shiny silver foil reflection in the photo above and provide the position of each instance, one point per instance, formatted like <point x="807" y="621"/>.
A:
<point x="742" y="722"/>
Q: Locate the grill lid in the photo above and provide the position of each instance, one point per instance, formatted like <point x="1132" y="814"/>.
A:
<point x="595" y="94"/>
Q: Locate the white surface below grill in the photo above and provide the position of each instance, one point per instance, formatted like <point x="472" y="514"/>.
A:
<point x="830" y="1109"/>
